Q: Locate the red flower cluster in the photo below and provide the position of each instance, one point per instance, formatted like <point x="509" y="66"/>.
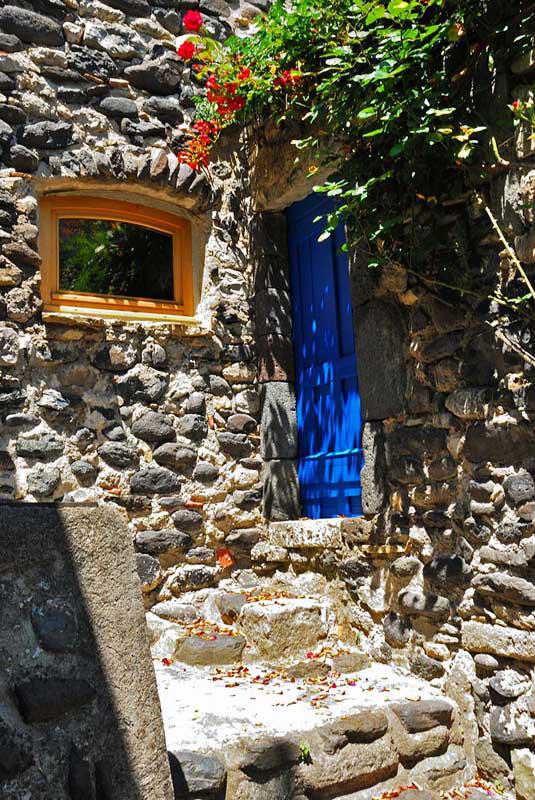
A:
<point x="187" y="50"/>
<point x="228" y="102"/>
<point x="225" y="95"/>
<point x="289" y="77"/>
<point x="198" y="149"/>
<point x="192" y="21"/>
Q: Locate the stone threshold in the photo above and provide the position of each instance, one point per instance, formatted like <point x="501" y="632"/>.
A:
<point x="332" y="534"/>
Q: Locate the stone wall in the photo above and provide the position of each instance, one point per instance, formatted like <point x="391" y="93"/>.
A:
<point x="160" y="419"/>
<point x="439" y="573"/>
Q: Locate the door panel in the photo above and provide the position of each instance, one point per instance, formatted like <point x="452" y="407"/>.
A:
<point x="328" y="403"/>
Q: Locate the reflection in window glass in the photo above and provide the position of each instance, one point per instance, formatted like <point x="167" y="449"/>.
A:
<point x="115" y="258"/>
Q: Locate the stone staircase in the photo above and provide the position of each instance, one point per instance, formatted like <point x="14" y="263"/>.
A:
<point x="267" y="695"/>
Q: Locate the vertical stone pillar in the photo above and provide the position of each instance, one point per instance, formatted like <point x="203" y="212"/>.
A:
<point x="381" y="343"/>
<point x="276" y="374"/>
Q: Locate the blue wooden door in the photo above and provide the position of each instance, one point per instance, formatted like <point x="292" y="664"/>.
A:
<point x="328" y="403"/>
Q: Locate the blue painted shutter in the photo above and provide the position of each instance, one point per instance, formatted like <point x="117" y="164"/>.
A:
<point x="328" y="403"/>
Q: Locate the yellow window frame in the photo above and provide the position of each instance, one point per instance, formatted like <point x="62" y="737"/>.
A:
<point x="53" y="208"/>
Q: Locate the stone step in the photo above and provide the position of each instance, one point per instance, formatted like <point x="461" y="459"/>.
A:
<point x="248" y="734"/>
<point x="262" y="626"/>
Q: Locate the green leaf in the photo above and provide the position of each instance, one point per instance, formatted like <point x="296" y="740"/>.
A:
<point x="397" y="7"/>
<point x="366" y="113"/>
<point x="376" y="13"/>
<point x="371" y="134"/>
<point x="397" y="148"/>
<point x="440" y="112"/>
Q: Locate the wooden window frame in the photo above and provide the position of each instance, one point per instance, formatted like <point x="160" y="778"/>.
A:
<point x="56" y="207"/>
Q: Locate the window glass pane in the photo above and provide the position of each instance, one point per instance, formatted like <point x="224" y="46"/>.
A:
<point x="117" y="258"/>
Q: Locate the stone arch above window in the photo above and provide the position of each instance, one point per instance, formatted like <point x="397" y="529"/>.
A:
<point x="114" y="258"/>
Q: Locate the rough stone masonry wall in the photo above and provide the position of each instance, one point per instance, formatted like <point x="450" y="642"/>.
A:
<point x="439" y="575"/>
<point x="459" y="602"/>
<point x="162" y="419"/>
<point x="153" y="417"/>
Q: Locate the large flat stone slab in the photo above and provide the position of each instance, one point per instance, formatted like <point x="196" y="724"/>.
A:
<point x="208" y="710"/>
<point x="302" y="534"/>
<point x="282" y="738"/>
<point x="78" y="701"/>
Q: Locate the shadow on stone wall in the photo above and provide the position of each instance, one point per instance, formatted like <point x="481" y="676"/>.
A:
<point x="79" y="711"/>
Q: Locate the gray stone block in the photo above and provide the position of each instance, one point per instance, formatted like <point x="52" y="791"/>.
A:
<point x="278" y="426"/>
<point x="362" y="279"/>
<point x="159" y="77"/>
<point x="273" y="313"/>
<point x="118" y="454"/>
<point x="163" y="541"/>
<point x="148" y="569"/>
<point x="154" y="427"/>
<point x="444" y="570"/>
<point x="381" y="338"/>
<point x="78" y="593"/>
<point x="175" y="456"/>
<point x="16" y="750"/>
<point x="268" y="233"/>
<point x="187" y="520"/>
<point x="422" y="715"/>
<point x="372" y="476"/>
<point x="236" y="445"/>
<point x="47" y="699"/>
<point x="56" y="627"/>
<point x="195" y="773"/>
<point x="31" y="27"/>
<point x="502" y="444"/>
<point x="275" y="358"/>
<point x="397" y="630"/>
<point x="281" y="498"/>
<point x="154" y="480"/>
<point x="221" y="649"/>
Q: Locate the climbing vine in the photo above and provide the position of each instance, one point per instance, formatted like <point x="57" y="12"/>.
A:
<point x="402" y="88"/>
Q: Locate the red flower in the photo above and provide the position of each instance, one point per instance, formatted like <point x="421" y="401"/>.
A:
<point x="236" y="103"/>
<point x="244" y="73"/>
<point x="284" y="78"/>
<point x="187" y="50"/>
<point x="515" y="104"/>
<point x="192" y="21"/>
<point x="287" y="78"/>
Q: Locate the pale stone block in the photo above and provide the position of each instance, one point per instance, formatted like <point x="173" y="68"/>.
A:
<point x="480" y="637"/>
<point x="307" y="533"/>
<point x="285" y="628"/>
<point x="524" y="771"/>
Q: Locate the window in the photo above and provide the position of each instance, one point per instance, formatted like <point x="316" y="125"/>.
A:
<point x="116" y="258"/>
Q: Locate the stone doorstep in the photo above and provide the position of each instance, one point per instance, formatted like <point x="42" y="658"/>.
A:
<point x="380" y="726"/>
<point x="324" y="533"/>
